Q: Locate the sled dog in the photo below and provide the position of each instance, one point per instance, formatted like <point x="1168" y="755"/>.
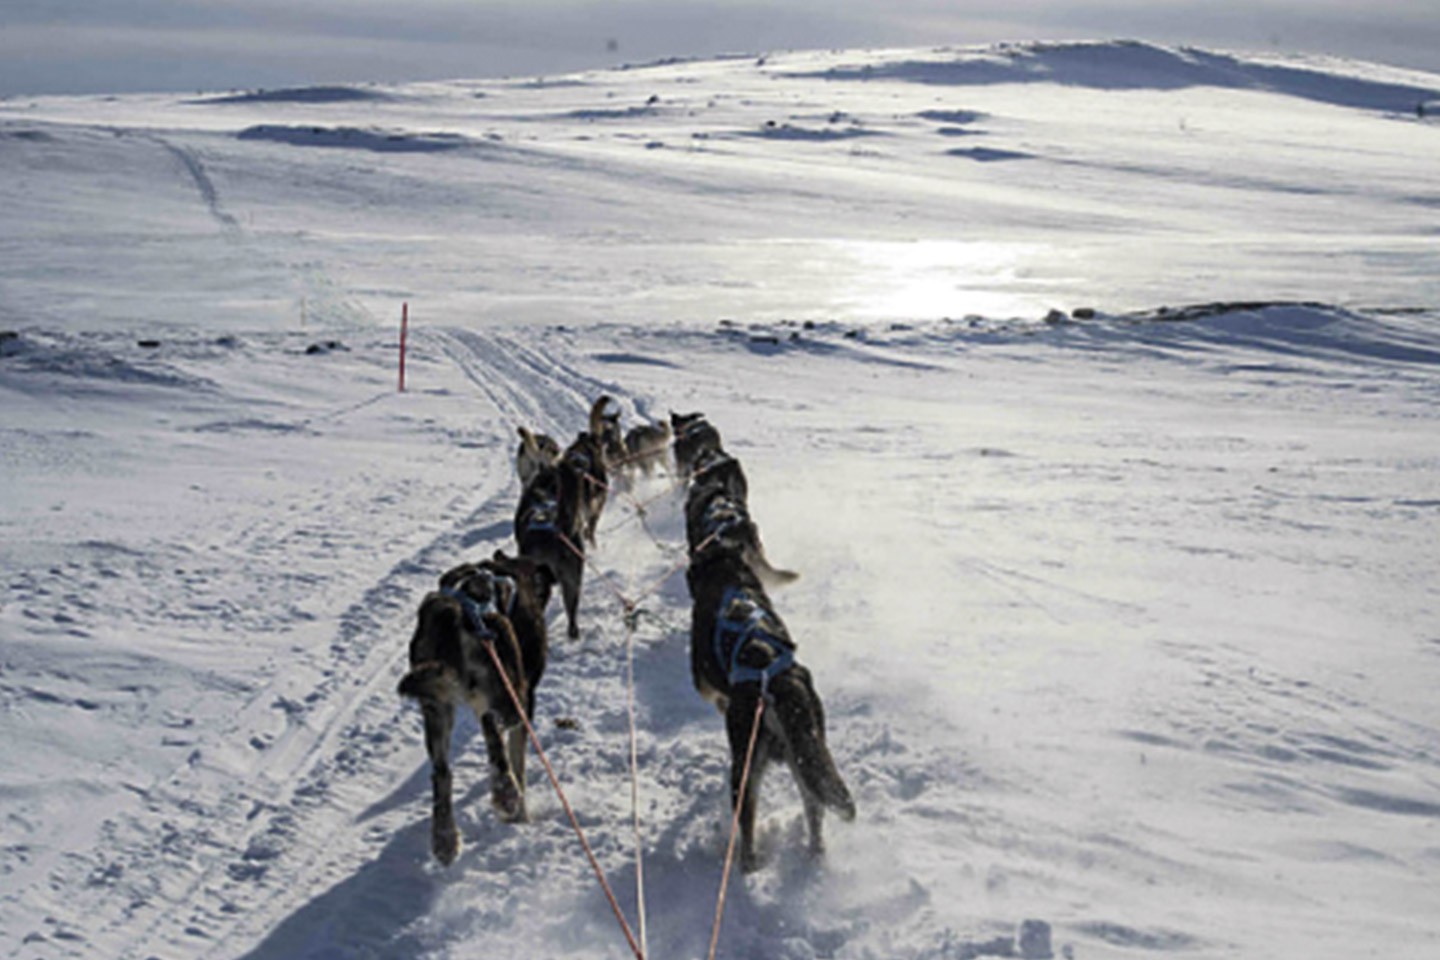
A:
<point x="693" y="435"/>
<point x="607" y="429"/>
<point x="497" y="604"/>
<point x="740" y="652"/>
<point x="588" y="460"/>
<point x="717" y="519"/>
<point x="536" y="450"/>
<point x="549" y="530"/>
<point x="647" y="448"/>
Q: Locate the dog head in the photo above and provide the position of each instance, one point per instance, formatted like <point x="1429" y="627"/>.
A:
<point x="523" y="570"/>
<point x="682" y="423"/>
<point x="605" y="428"/>
<point x="488" y="587"/>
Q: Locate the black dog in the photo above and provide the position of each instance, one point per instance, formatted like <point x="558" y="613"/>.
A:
<point x="589" y="459"/>
<point x="740" y="651"/>
<point x="693" y="436"/>
<point x="498" y="604"/>
<point x="549" y="531"/>
<point x="717" y="519"/>
<point x="714" y="467"/>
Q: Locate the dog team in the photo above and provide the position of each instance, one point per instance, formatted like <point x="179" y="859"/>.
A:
<point x="481" y="639"/>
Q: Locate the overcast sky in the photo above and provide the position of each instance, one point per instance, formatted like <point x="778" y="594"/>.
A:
<point x="99" y="46"/>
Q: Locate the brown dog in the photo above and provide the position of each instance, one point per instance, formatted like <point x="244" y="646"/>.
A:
<point x="647" y="448"/>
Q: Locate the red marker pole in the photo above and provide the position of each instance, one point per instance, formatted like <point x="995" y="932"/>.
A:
<point x="404" y="328"/>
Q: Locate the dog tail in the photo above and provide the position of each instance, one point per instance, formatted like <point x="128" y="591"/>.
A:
<point x="529" y="441"/>
<point x="597" y="415"/>
<point x="802" y="720"/>
<point x="769" y="575"/>
<point x="431" y="680"/>
<point x="437" y="645"/>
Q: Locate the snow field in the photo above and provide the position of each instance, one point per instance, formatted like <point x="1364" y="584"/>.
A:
<point x="1123" y="625"/>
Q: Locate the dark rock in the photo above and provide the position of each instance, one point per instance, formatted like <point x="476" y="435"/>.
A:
<point x="1034" y="940"/>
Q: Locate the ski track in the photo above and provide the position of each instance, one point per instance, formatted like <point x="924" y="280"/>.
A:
<point x="203" y="183"/>
<point x="243" y="855"/>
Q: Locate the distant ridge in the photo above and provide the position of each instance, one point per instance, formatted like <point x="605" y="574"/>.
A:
<point x="1133" y="65"/>
<point x="331" y="94"/>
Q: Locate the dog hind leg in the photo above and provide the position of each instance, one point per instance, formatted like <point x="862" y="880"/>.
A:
<point x="506" y="795"/>
<point x="739" y="722"/>
<point x="439" y="722"/>
<point x="570" y="594"/>
<point x="802" y="721"/>
<point x="515" y="745"/>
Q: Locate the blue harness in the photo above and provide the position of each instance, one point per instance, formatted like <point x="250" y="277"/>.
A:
<point x="475" y="611"/>
<point x="742" y="621"/>
<point x="542" y="516"/>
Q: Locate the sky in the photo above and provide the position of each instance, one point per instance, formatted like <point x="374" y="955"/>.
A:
<point x="101" y="46"/>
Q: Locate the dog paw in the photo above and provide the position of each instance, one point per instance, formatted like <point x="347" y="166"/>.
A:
<point x="508" y="801"/>
<point x="445" y="843"/>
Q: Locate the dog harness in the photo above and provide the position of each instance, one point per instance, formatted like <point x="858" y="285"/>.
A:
<point x="720" y="517"/>
<point x="742" y="621"/>
<point x="711" y="459"/>
<point x="699" y="423"/>
<point x="475" y="611"/>
<point x="542" y="516"/>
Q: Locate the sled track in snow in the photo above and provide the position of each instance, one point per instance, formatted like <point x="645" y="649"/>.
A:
<point x="209" y="864"/>
<point x="529" y="389"/>
<point x="362" y="746"/>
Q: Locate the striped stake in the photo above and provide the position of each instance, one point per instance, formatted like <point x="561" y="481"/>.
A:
<point x="404" y="328"/>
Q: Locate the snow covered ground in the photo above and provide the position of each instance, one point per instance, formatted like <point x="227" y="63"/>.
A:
<point x="1125" y="624"/>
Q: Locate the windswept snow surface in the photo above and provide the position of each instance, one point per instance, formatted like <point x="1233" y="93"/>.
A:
<point x="1125" y="625"/>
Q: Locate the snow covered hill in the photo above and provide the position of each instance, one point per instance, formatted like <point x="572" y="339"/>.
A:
<point x="1124" y="617"/>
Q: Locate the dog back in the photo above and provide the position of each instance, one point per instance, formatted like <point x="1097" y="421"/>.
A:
<point x="449" y="659"/>
<point x="693" y="435"/>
